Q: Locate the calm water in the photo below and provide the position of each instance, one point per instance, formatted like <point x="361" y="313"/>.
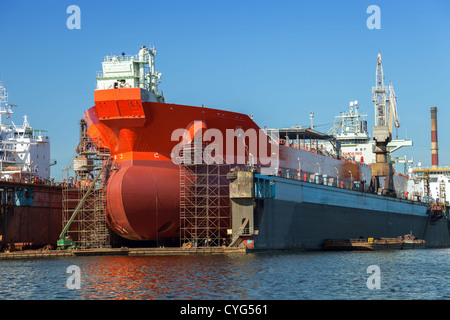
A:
<point x="410" y="274"/>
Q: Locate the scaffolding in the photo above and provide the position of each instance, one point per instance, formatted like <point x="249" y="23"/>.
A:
<point x="88" y="229"/>
<point x="204" y="201"/>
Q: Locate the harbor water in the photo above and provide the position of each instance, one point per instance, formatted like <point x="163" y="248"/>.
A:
<point x="401" y="275"/>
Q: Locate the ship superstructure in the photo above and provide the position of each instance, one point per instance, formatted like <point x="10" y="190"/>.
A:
<point x="350" y="130"/>
<point x="430" y="184"/>
<point x="132" y="71"/>
<point x="24" y="152"/>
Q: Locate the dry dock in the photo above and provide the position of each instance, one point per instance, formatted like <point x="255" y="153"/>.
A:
<point x="35" y="254"/>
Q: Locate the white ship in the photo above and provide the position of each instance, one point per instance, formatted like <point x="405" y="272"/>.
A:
<point x="24" y="152"/>
<point x="355" y="141"/>
<point x="429" y="184"/>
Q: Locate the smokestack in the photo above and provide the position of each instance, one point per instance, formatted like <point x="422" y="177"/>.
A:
<point x="434" y="140"/>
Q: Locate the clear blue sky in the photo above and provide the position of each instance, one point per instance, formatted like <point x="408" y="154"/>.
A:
<point x="277" y="60"/>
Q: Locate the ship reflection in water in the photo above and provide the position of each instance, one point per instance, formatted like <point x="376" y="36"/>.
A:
<point x="168" y="277"/>
<point x="405" y="274"/>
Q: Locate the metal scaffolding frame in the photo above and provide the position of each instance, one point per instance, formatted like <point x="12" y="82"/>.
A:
<point x="89" y="228"/>
<point x="204" y="201"/>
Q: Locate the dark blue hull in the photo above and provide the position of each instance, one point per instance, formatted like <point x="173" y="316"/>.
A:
<point x="291" y="214"/>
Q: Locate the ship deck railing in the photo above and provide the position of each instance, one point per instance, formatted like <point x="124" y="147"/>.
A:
<point x="348" y="184"/>
<point x="324" y="152"/>
<point x="11" y="138"/>
<point x="124" y="57"/>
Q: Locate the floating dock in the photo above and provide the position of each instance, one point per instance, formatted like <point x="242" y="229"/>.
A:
<point x="279" y="213"/>
<point x="35" y="254"/>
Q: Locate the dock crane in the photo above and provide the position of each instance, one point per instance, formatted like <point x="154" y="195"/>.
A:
<point x="382" y="131"/>
<point x="393" y="116"/>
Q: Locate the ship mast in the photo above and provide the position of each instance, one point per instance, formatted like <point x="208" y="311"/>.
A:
<point x="4" y="111"/>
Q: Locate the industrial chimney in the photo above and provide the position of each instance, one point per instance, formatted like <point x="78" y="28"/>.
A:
<point x="434" y="140"/>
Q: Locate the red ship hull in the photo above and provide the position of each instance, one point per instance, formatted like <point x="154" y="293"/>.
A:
<point x="143" y="195"/>
<point x="31" y="215"/>
<point x="143" y="192"/>
<point x="143" y="201"/>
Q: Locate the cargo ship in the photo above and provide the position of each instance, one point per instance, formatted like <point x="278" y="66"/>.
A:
<point x="132" y="119"/>
<point x="30" y="201"/>
<point x="148" y="138"/>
